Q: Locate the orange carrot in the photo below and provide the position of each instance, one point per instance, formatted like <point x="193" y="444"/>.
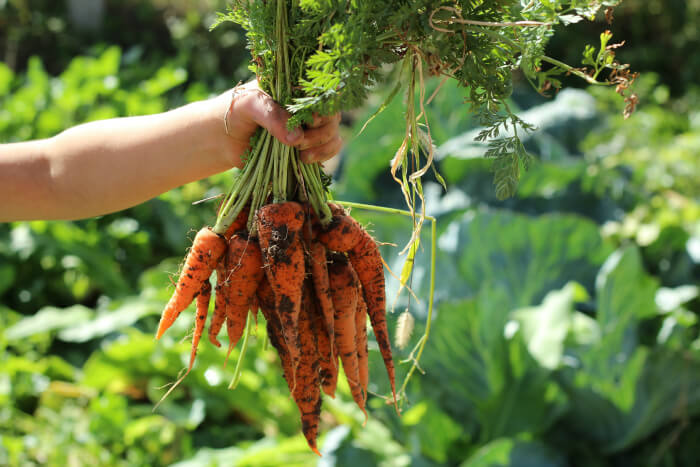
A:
<point x="329" y="374"/>
<point x="222" y="280"/>
<point x="344" y="234"/>
<point x="255" y="307"/>
<point x="328" y="356"/>
<point x="313" y="220"/>
<point x="307" y="393"/>
<point x="278" y="226"/>
<point x="200" y="319"/>
<point x="217" y="321"/>
<point x="361" y="342"/>
<point x="266" y="300"/>
<point x="238" y="223"/>
<point x="206" y="250"/>
<point x="221" y="299"/>
<point x="344" y="287"/>
<point x="245" y="265"/>
<point x="319" y="276"/>
<point x="203" y="299"/>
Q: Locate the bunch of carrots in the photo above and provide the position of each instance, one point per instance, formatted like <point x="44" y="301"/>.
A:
<point x="315" y="285"/>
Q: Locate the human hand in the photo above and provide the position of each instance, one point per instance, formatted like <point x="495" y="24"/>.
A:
<point x="251" y="108"/>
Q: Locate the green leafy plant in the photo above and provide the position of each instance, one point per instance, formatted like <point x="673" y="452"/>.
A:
<point x="323" y="57"/>
<point x="596" y="406"/>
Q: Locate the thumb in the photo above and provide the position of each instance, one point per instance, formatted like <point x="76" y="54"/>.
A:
<point x="267" y="113"/>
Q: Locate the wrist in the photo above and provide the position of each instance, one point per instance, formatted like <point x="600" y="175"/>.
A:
<point x="230" y="146"/>
<point x="216" y="145"/>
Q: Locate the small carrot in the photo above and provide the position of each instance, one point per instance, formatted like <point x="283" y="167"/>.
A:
<point x="344" y="234"/>
<point x="344" y="287"/>
<point x="201" y="260"/>
<point x="278" y="226"/>
<point x="244" y="261"/>
<point x="217" y="321"/>
<point x="307" y="393"/>
<point x="266" y="300"/>
<point x="328" y="355"/>
<point x="361" y="343"/>
<point x="328" y="368"/>
<point x="200" y="319"/>
<point x="315" y="223"/>
<point x="222" y="281"/>
<point x="319" y="276"/>
<point x="255" y="307"/>
<point x="221" y="299"/>
<point x="238" y="223"/>
<point x="203" y="299"/>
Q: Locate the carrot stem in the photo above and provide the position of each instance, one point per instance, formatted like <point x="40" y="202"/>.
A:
<point x="228" y="212"/>
<point x="261" y="190"/>
<point x="316" y="192"/>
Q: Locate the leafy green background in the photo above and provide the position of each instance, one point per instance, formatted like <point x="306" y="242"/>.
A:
<point x="566" y="321"/>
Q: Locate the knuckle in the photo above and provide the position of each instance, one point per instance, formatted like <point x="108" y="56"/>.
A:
<point x="280" y="113"/>
<point x="307" y="156"/>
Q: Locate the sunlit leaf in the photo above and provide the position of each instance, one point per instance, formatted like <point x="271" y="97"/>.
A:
<point x="49" y="319"/>
<point x="510" y="452"/>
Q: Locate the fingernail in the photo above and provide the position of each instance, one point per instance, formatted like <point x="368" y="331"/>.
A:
<point x="295" y="135"/>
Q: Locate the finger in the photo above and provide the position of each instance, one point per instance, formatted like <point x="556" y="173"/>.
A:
<point x="320" y="121"/>
<point x="323" y="152"/>
<point x="314" y="137"/>
<point x="264" y="111"/>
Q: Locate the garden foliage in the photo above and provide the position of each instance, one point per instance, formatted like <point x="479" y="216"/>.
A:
<point x="566" y="328"/>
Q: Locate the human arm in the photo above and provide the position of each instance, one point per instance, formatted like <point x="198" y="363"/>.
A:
<point x="109" y="165"/>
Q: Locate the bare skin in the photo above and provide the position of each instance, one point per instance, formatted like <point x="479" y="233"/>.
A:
<point x="110" y="165"/>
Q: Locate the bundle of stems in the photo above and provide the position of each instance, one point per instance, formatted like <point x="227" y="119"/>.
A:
<point x="273" y="171"/>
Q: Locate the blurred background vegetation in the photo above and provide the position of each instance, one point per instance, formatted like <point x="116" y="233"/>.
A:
<point x="566" y="328"/>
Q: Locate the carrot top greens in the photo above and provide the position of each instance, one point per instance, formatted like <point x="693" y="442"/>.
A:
<point x="323" y="56"/>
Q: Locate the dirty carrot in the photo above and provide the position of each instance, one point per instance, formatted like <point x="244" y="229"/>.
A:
<point x="266" y="300"/>
<point x="361" y="342"/>
<point x="344" y="234"/>
<point x="344" y="287"/>
<point x="238" y="223"/>
<point x="203" y="299"/>
<point x="206" y="250"/>
<point x="255" y="306"/>
<point x="278" y="226"/>
<point x="220" y="300"/>
<point x="217" y="321"/>
<point x="319" y="276"/>
<point x="245" y="271"/>
<point x="328" y="356"/>
<point x="200" y="319"/>
<point x="307" y="393"/>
